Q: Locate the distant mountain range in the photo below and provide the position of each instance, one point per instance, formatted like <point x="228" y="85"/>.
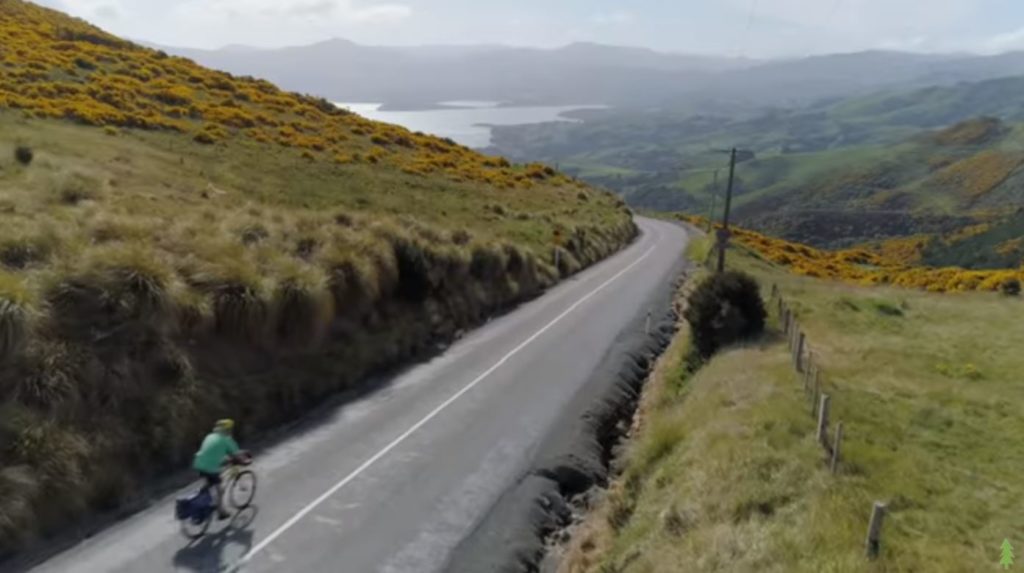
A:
<point x="421" y="76"/>
<point x="589" y="73"/>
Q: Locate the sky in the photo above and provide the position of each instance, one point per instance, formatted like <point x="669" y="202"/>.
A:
<point x="746" y="28"/>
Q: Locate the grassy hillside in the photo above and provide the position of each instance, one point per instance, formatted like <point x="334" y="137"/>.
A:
<point x="988" y="246"/>
<point x="178" y="245"/>
<point x="724" y="473"/>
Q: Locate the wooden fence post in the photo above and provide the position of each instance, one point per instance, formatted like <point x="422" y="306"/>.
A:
<point x="812" y="371"/>
<point x="775" y="291"/>
<point x="782" y="307"/>
<point x="786" y="320"/>
<point x="874" y="541"/>
<point x="798" y="355"/>
<point x="823" y="420"/>
<point x="815" y="393"/>
<point x="834" y="466"/>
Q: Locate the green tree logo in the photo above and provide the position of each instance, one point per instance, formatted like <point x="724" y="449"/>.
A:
<point x="1007" y="558"/>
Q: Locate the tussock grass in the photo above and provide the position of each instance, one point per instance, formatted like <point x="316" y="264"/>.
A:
<point x="138" y="268"/>
<point x="25" y="243"/>
<point x="925" y="385"/>
<point x="74" y="188"/>
<point x="114" y="228"/>
<point x="15" y="302"/>
<point x="241" y="308"/>
<point x="18" y="486"/>
<point x="303" y="304"/>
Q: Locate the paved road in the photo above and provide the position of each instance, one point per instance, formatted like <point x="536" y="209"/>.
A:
<point x="392" y="482"/>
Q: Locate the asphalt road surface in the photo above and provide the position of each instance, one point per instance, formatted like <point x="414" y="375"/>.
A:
<point x="393" y="481"/>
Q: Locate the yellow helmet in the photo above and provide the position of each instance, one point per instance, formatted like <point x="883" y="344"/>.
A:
<point x="227" y="424"/>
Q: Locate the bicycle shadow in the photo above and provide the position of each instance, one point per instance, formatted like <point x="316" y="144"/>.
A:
<point x="208" y="554"/>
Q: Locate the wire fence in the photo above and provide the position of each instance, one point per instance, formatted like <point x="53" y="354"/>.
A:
<point x="830" y="438"/>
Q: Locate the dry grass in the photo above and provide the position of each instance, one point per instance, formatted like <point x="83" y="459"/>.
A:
<point x="725" y="474"/>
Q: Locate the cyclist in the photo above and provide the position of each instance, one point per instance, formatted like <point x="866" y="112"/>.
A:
<point x="217" y="449"/>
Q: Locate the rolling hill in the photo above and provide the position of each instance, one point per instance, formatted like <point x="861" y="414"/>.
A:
<point x="179" y="244"/>
<point x="837" y="173"/>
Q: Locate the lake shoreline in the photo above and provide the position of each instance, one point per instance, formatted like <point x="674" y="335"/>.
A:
<point x="469" y="122"/>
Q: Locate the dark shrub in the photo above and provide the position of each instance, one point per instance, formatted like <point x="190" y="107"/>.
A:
<point x="23" y="154"/>
<point x="254" y="234"/>
<point x="487" y="265"/>
<point x="1010" y="287"/>
<point x="85" y="63"/>
<point x="413" y="270"/>
<point x="343" y="219"/>
<point x="887" y="308"/>
<point x="725" y="308"/>
<point x="461" y="237"/>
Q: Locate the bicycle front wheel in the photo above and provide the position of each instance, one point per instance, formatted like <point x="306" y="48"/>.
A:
<point x="242" y="489"/>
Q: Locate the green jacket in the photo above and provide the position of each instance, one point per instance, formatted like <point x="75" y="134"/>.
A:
<point x="214" y="451"/>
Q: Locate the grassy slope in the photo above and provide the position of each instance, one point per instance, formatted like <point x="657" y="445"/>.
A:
<point x="186" y="245"/>
<point x="725" y="475"/>
<point x="996" y="246"/>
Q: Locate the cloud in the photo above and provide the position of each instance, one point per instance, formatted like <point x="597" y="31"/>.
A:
<point x="798" y="27"/>
<point x="107" y="12"/>
<point x="325" y="11"/>
<point x="910" y="44"/>
<point x="613" y="18"/>
<point x="317" y="8"/>
<point x="866" y="16"/>
<point x="381" y="13"/>
<point x="351" y="12"/>
<point x="55" y="4"/>
<point x="1005" y="42"/>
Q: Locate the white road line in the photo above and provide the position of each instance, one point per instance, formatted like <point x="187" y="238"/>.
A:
<point x="348" y="479"/>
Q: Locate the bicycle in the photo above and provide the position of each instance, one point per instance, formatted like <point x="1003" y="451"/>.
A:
<point x="195" y="512"/>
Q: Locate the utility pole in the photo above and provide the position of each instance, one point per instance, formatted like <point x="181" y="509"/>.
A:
<point x="723" y="234"/>
<point x="714" y="196"/>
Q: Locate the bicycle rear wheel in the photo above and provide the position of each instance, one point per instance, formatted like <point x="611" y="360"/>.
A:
<point x="193" y="529"/>
<point x="242" y="489"/>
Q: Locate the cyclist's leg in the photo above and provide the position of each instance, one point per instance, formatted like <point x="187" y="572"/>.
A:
<point x="216" y="488"/>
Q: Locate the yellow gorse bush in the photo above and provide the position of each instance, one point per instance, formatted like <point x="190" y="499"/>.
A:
<point x="892" y="262"/>
<point x="977" y="175"/>
<point x="52" y="66"/>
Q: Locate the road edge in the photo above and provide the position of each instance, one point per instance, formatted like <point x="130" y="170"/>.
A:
<point x="512" y="537"/>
